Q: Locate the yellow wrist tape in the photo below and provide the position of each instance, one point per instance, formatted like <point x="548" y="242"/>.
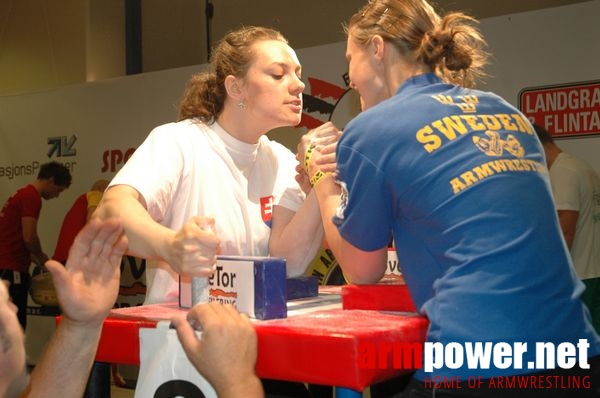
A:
<point x="307" y="156"/>
<point x="317" y="177"/>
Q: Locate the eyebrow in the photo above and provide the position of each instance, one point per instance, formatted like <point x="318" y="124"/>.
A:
<point x="286" y="65"/>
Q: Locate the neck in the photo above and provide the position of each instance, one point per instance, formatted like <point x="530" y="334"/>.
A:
<point x="400" y="69"/>
<point x="552" y="152"/>
<point x="238" y="125"/>
<point x="39" y="185"/>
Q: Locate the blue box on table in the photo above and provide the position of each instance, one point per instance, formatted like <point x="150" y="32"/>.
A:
<point x="256" y="286"/>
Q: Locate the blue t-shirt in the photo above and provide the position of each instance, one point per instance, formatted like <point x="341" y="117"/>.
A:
<point x="457" y="177"/>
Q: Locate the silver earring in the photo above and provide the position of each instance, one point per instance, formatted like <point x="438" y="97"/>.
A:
<point x="242" y="105"/>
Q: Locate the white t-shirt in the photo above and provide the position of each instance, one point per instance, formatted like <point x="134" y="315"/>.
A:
<point x="576" y="186"/>
<point x="188" y="169"/>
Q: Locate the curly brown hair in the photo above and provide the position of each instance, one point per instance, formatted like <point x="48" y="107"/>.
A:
<point x="205" y="93"/>
<point x="451" y="46"/>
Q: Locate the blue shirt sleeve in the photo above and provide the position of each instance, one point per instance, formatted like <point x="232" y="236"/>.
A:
<point x="365" y="213"/>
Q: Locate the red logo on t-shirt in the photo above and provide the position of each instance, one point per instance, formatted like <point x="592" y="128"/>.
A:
<point x="266" y="208"/>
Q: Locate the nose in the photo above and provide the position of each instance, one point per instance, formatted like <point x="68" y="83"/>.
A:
<point x="299" y="86"/>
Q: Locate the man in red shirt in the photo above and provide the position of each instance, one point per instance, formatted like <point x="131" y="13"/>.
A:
<point x="77" y="216"/>
<point x="19" y="240"/>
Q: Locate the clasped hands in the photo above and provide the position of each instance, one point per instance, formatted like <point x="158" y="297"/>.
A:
<point x="316" y="155"/>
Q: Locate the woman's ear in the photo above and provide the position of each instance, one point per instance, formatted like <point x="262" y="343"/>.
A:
<point x="233" y="88"/>
<point x="377" y="46"/>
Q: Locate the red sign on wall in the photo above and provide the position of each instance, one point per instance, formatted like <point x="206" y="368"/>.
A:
<point x="567" y="110"/>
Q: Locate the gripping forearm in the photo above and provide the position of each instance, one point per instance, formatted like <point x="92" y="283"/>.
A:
<point x="297" y="236"/>
<point x="147" y="238"/>
<point x="328" y="196"/>
<point x="359" y="266"/>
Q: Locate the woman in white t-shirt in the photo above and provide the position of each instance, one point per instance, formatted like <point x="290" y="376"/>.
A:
<point x="213" y="183"/>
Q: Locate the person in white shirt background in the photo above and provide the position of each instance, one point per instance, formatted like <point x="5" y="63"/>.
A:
<point x="576" y="191"/>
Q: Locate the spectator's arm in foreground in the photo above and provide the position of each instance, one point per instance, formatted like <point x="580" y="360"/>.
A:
<point x="87" y="289"/>
<point x="226" y="352"/>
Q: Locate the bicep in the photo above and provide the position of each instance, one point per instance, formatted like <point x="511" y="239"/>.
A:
<point x="117" y="197"/>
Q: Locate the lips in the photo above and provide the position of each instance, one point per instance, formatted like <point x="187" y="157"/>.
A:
<point x="296" y="106"/>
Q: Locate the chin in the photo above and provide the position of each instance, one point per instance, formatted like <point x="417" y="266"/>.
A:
<point x="296" y="120"/>
<point x="290" y="122"/>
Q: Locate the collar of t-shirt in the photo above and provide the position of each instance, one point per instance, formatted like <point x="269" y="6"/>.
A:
<point x="242" y="153"/>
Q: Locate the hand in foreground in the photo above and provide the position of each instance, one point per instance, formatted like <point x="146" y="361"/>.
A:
<point x="88" y="286"/>
<point x="323" y="141"/>
<point x="226" y="352"/>
<point x="195" y="247"/>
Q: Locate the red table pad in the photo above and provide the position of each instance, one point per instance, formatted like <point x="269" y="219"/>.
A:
<point x="322" y="346"/>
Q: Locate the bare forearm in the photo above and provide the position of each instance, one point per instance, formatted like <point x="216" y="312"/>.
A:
<point x="191" y="250"/>
<point x="328" y="196"/>
<point x="65" y="365"/>
<point x="297" y="236"/>
<point x="250" y="388"/>
<point x="34" y="247"/>
<point x="359" y="266"/>
<point x="147" y="238"/>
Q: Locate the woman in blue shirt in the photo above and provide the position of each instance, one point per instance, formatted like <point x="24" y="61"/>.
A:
<point x="456" y="177"/>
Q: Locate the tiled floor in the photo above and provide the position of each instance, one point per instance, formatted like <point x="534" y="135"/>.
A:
<point x="116" y="392"/>
<point x="128" y="375"/>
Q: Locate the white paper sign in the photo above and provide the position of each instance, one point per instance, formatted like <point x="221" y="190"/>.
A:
<point x="165" y="370"/>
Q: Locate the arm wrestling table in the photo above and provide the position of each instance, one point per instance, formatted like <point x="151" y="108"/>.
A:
<point x="317" y="344"/>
